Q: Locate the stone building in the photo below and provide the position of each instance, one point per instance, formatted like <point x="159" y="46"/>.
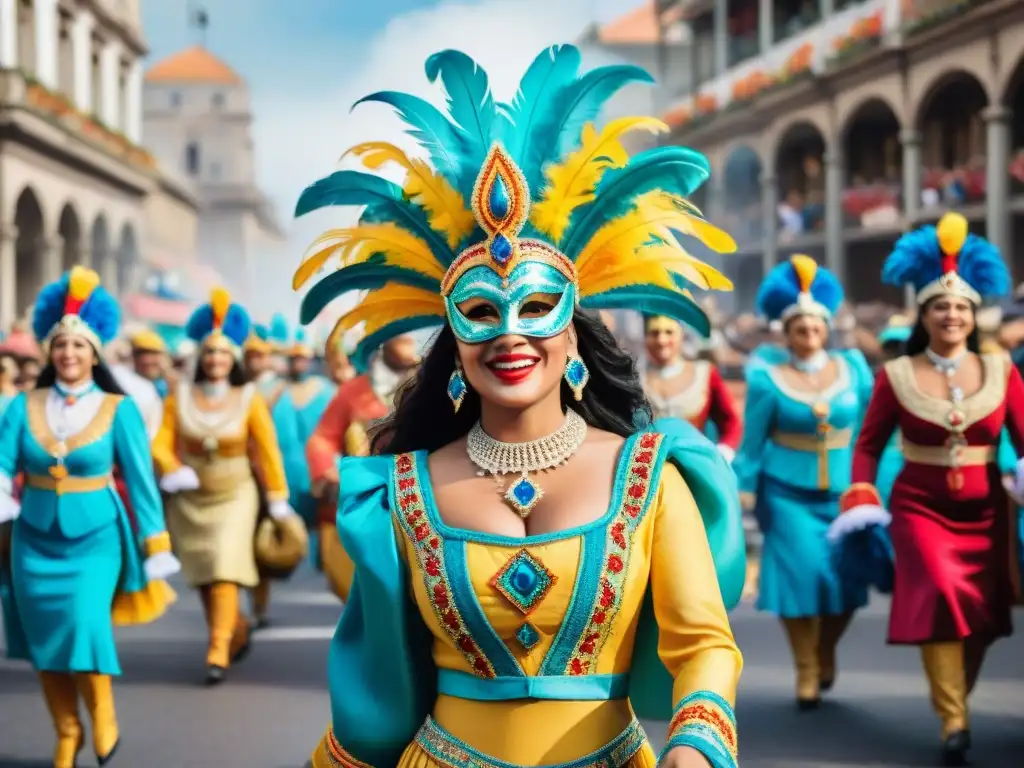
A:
<point x="198" y="122"/>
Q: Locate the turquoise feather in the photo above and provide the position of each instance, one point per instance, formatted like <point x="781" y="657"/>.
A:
<point x="360" y="357"/>
<point x="367" y="276"/>
<point x="446" y="144"/>
<point x="654" y="300"/>
<point x="278" y="331"/>
<point x="385" y="201"/>
<point x="676" y="170"/>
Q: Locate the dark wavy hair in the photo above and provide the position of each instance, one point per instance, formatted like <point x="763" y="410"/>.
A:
<point x="423" y="419"/>
<point x="918" y="341"/>
<point x="101" y="376"/>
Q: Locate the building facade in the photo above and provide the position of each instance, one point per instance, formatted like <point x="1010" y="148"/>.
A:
<point x="834" y="126"/>
<point x="198" y="120"/>
<point x="73" y="173"/>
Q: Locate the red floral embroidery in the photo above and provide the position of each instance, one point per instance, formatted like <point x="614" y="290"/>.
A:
<point x="618" y="544"/>
<point x="427" y="543"/>
<point x="704" y="714"/>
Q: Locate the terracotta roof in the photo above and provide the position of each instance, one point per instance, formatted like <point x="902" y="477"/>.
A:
<point x="194" y="65"/>
<point x="637" y="27"/>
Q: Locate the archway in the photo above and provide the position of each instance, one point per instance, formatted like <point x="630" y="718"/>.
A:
<point x="874" y="167"/>
<point x="29" y="250"/>
<point x="101" y="251"/>
<point x="953" y="140"/>
<point x="741" y="180"/>
<point x="799" y="168"/>
<point x="70" y="232"/>
<point x="127" y="260"/>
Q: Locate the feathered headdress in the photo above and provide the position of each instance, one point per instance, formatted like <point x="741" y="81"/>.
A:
<point x="799" y="287"/>
<point x="279" y="333"/>
<point x="220" y="320"/>
<point x="897" y="330"/>
<point x="77" y="304"/>
<point x="526" y="195"/>
<point x="301" y="346"/>
<point x="257" y="343"/>
<point x="946" y="260"/>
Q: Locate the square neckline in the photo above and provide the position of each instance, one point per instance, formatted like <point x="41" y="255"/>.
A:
<point x="454" y="533"/>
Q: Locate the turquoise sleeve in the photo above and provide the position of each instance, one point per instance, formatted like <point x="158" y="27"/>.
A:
<point x="758" y="416"/>
<point x="12" y="424"/>
<point x="132" y="452"/>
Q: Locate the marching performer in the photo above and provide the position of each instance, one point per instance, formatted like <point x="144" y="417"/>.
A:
<point x="150" y="359"/>
<point x="794" y="461"/>
<point x="477" y="612"/>
<point x="75" y="566"/>
<point x="693" y="391"/>
<point x="951" y="527"/>
<point x="258" y="365"/>
<point x="202" y="453"/>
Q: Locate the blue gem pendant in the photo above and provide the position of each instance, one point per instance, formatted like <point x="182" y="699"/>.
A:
<point x="523" y="495"/>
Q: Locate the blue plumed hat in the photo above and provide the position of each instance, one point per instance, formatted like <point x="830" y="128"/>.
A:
<point x="897" y="330"/>
<point x="220" y="319"/>
<point x="946" y="260"/>
<point x="258" y="343"/>
<point x="279" y="332"/>
<point x="77" y="304"/>
<point x="799" y="287"/>
<point x="301" y="345"/>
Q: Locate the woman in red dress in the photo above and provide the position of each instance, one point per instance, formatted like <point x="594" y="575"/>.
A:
<point x="950" y="516"/>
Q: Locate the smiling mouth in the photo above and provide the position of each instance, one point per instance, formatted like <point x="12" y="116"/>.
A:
<point x="511" y="369"/>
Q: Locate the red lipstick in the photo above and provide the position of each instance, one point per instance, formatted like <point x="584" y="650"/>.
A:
<point x="512" y="368"/>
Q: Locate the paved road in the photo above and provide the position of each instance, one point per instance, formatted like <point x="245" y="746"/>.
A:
<point x="274" y="708"/>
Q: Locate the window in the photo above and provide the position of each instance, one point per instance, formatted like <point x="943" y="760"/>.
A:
<point x="218" y="100"/>
<point x="192" y="158"/>
<point x="175" y="99"/>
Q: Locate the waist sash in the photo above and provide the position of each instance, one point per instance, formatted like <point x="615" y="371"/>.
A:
<point x="949" y="455"/>
<point x="820" y="444"/>
<point x="68" y="484"/>
<point x="463" y="685"/>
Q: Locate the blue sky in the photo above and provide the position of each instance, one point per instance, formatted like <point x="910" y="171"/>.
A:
<point x="306" y="67"/>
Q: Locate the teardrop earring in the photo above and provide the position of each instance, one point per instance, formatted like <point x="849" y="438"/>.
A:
<point x="576" y="375"/>
<point x="457" y="388"/>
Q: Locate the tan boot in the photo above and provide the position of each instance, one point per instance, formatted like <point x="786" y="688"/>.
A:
<point x="62" y="700"/>
<point x="947" y="681"/>
<point x="98" y="693"/>
<point x="804" y="634"/>
<point x="832" y="629"/>
<point x="223" y="620"/>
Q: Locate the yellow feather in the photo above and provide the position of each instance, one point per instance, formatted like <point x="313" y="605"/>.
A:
<point x="82" y="281"/>
<point x="446" y="211"/>
<point x="354" y="245"/>
<point x="220" y="301"/>
<point x="571" y="183"/>
<point x="390" y="303"/>
<point x="806" y="268"/>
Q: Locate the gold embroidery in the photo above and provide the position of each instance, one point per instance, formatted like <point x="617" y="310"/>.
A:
<point x="935" y="410"/>
<point x="97" y="427"/>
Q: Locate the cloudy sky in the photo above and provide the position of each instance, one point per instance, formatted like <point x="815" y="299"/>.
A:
<point x="307" y="61"/>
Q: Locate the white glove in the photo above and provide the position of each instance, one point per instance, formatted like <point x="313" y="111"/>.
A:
<point x="160" y="566"/>
<point x="727" y="452"/>
<point x="280" y="510"/>
<point x="184" y="478"/>
<point x="857" y="519"/>
<point x="9" y="508"/>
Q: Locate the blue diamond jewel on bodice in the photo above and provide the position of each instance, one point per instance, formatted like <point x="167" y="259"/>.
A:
<point x="524" y="581"/>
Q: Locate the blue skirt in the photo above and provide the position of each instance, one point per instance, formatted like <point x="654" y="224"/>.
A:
<point x="798" y="577"/>
<point x="63" y="592"/>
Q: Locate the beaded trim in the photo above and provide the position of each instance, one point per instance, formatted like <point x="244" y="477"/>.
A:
<point x="705" y="721"/>
<point x="336" y="755"/>
<point x="618" y="548"/>
<point x="453" y="753"/>
<point x="412" y="515"/>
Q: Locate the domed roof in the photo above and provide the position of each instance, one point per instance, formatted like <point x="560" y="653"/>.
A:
<point x="194" y="65"/>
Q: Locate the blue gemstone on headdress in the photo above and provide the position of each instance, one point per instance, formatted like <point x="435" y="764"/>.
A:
<point x="497" y="199"/>
<point x="528" y="636"/>
<point x="501" y="249"/>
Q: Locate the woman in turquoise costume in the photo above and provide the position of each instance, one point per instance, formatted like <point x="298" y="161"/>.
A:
<point x="527" y="563"/>
<point x="76" y="565"/>
<point x="803" y="410"/>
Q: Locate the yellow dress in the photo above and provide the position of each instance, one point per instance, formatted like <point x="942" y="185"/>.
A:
<point x="212" y="528"/>
<point x="531" y="641"/>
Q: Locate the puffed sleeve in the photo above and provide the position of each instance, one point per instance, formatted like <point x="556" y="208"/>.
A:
<point x="268" y="452"/>
<point x="132" y="451"/>
<point x="696" y="643"/>
<point x="12" y="426"/>
<point x="723" y="411"/>
<point x="758" y="418"/>
<point x="381" y="677"/>
<point x="1015" y="408"/>
<point x="327" y="441"/>
<point x="863" y="382"/>
<point x="165" y="453"/>
<point x="880" y="422"/>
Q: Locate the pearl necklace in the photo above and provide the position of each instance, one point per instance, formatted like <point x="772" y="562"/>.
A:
<point x="670" y="371"/>
<point x="949" y="366"/>
<point x="493" y="457"/>
<point x="815" y="363"/>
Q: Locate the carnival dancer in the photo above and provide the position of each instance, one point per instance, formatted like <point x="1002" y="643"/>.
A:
<point x="279" y="336"/>
<point x="951" y="527"/>
<point x="342" y="431"/>
<point x="794" y="461"/>
<point x="692" y="391"/>
<point x="528" y="597"/>
<point x="257" y="364"/>
<point x="202" y="453"/>
<point x="150" y="359"/>
<point x="76" y="568"/>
